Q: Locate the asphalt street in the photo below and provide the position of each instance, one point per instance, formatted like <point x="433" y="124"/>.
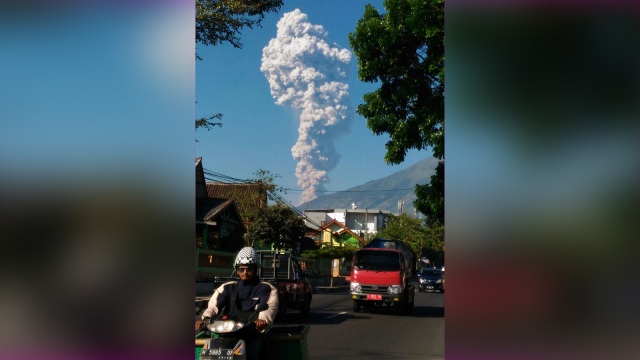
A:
<point x="336" y="332"/>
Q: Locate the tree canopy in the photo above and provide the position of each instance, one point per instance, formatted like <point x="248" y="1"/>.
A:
<point x="403" y="227"/>
<point x="279" y="226"/>
<point x="403" y="50"/>
<point x="414" y="232"/>
<point x="430" y="197"/>
<point x="251" y="200"/>
<point x="220" y="21"/>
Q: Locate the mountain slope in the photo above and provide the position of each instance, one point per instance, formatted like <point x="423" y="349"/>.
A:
<point x="382" y="194"/>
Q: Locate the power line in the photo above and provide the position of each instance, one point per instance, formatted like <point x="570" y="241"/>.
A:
<point x="343" y="191"/>
<point x="214" y="176"/>
<point x="217" y="176"/>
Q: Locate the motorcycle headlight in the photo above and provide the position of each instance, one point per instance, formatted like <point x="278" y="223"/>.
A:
<point x="355" y="287"/>
<point x="225" y="326"/>
<point x="395" y="289"/>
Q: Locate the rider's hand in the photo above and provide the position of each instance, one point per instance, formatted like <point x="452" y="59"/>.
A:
<point x="261" y="324"/>
<point x="199" y="325"/>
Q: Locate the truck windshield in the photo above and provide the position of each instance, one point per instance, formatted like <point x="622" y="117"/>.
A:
<point x="377" y="260"/>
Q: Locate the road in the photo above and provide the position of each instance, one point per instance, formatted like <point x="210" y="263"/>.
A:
<point x="336" y="332"/>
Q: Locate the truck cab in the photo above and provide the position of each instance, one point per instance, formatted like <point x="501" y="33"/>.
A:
<point x="380" y="277"/>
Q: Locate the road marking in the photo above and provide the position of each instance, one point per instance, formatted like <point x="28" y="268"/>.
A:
<point x="334" y="315"/>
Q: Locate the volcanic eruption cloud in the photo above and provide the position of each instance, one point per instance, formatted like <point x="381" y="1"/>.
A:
<point x="309" y="75"/>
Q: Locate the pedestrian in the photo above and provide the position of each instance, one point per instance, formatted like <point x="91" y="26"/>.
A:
<point x="249" y="292"/>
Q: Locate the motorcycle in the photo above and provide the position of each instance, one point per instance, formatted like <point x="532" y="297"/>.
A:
<point x="225" y="336"/>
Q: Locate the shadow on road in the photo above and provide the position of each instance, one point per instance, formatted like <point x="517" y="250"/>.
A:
<point x="418" y="311"/>
<point x="351" y="353"/>
<point x="327" y="318"/>
<point x="320" y="318"/>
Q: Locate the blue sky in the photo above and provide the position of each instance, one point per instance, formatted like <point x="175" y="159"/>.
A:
<point x="257" y="133"/>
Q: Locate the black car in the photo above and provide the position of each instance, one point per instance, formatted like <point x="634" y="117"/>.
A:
<point x="431" y="280"/>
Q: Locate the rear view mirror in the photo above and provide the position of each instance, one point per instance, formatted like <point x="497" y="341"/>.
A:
<point x="262" y="307"/>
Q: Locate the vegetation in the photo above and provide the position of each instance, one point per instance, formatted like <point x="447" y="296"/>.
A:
<point x="252" y="196"/>
<point x="221" y="21"/>
<point x="330" y="252"/>
<point x="279" y="226"/>
<point x="403" y="50"/>
<point x="423" y="240"/>
<point x="206" y="123"/>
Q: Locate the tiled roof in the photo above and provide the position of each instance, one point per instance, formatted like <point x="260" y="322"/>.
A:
<point x="235" y="191"/>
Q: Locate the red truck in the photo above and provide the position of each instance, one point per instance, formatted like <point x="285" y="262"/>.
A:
<point x="380" y="274"/>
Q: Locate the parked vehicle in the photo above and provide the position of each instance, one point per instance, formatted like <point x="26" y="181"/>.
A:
<point x="431" y="280"/>
<point x="283" y="271"/>
<point x="380" y="277"/>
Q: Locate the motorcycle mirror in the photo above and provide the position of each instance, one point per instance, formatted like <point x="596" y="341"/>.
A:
<point x="261" y="307"/>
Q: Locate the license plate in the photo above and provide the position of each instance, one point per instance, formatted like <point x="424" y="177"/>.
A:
<point x="216" y="354"/>
<point x="429" y="287"/>
<point x="374" y="297"/>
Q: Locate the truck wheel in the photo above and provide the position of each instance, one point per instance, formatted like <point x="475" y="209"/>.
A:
<point x="402" y="306"/>
<point x="356" y="306"/>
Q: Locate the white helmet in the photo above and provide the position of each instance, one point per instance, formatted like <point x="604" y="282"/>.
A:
<point x="247" y="256"/>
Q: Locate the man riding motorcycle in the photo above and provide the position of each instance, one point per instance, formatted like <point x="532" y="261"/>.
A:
<point x="243" y="295"/>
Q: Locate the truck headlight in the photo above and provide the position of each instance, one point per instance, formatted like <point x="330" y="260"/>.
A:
<point x="355" y="287"/>
<point x="395" y="289"/>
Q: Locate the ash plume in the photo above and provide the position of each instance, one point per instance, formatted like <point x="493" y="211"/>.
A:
<point x="309" y="75"/>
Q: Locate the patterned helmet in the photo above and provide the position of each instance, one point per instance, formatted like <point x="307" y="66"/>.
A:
<point x="247" y="256"/>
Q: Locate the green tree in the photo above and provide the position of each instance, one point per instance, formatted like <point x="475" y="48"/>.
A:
<point x="411" y="231"/>
<point x="279" y="226"/>
<point x="206" y="123"/>
<point x="434" y="247"/>
<point x="403" y="50"/>
<point x="252" y="196"/>
<point x="221" y="21"/>
<point x="430" y="197"/>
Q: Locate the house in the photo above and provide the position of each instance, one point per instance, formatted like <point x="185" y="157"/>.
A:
<point x="335" y="233"/>
<point x="247" y="196"/>
<point x="359" y="221"/>
<point x="219" y="225"/>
